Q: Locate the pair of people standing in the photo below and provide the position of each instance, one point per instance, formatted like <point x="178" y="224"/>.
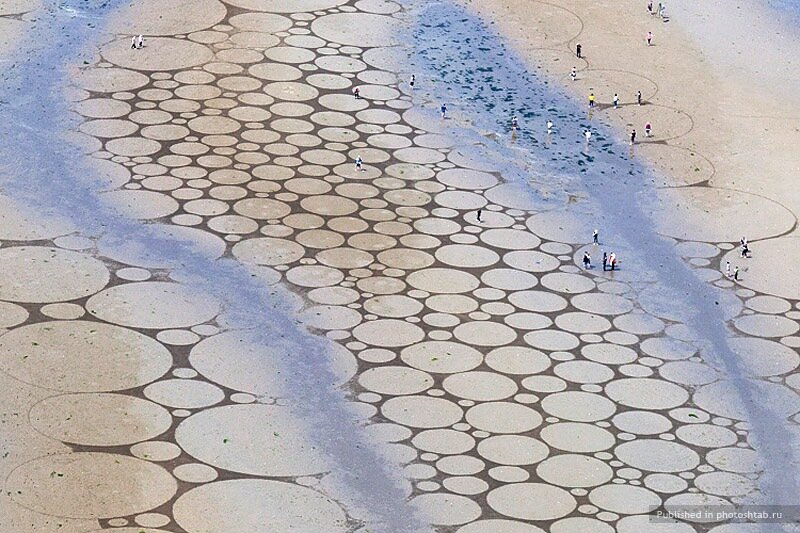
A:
<point x="609" y="261"/>
<point x="614" y="101"/>
<point x="137" y="42"/>
<point x="735" y="274"/>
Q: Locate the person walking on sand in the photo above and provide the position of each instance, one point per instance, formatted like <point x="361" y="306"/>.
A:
<point x="650" y="7"/>
<point x="588" y="135"/>
<point x="133" y="42"/>
<point x="578" y="49"/>
<point x="591" y="99"/>
<point x="140" y="41"/>
<point x="480" y="211"/>
<point x="633" y="137"/>
<point x="745" y="250"/>
<point x="649" y="38"/>
<point x="443" y="110"/>
<point x="648" y="129"/>
<point x="359" y="163"/>
<point x="605" y="261"/>
<point x="616" y="101"/>
<point x="514" y="123"/>
<point x="574" y="74"/>
<point x="596" y="237"/>
<point x="587" y="260"/>
<point x="736" y="273"/>
<point x="356" y="92"/>
<point x="727" y="269"/>
<point x="639" y="97"/>
<point x="549" y="127"/>
<point x="612" y="259"/>
<point x="413" y="80"/>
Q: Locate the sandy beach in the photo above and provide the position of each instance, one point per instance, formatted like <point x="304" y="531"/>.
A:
<point x="717" y="98"/>
<point x="215" y="321"/>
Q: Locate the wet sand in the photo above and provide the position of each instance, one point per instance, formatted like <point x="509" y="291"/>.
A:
<point x="512" y="390"/>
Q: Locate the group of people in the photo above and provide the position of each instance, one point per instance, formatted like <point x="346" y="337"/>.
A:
<point x="735" y="274"/>
<point x="661" y="11"/>
<point x="609" y="260"/>
<point x="744" y="251"/>
<point x="137" y="42"/>
<point x="648" y="132"/>
<point x="614" y="100"/>
<point x="648" y="128"/>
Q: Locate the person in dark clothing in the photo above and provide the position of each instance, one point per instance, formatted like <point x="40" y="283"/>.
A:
<point x="578" y="50"/>
<point x="745" y="250"/>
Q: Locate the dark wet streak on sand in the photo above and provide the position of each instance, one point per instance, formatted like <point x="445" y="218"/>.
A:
<point x="40" y="169"/>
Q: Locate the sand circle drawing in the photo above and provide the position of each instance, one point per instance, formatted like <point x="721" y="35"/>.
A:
<point x="506" y="381"/>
